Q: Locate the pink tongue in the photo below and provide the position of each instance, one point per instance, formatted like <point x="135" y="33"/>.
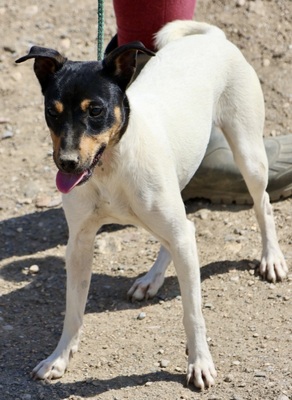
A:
<point x="66" y="182"/>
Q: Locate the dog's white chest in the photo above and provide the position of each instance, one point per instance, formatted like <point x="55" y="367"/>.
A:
<point x="112" y="204"/>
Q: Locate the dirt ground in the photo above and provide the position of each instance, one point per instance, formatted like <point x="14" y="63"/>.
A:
<point x="122" y="356"/>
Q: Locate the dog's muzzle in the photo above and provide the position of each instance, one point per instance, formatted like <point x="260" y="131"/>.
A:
<point x="66" y="179"/>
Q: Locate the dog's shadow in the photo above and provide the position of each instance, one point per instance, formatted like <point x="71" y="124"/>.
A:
<point x="35" y="313"/>
<point x="36" y="232"/>
<point x="32" y="315"/>
<point x="39" y="231"/>
<point x="97" y="387"/>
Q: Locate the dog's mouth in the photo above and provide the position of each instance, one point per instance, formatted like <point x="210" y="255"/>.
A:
<point x="67" y="181"/>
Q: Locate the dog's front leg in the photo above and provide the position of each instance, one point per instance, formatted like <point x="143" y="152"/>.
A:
<point x="78" y="265"/>
<point x="177" y="234"/>
<point x="201" y="370"/>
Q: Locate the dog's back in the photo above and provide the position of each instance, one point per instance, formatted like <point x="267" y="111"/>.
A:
<point x="182" y="87"/>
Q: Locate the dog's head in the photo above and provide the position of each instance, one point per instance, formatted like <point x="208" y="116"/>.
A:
<point x="86" y="108"/>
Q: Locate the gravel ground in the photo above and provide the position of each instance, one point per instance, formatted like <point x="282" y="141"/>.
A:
<point x="135" y="351"/>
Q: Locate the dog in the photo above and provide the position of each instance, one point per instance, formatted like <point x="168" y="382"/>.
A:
<point x="125" y="150"/>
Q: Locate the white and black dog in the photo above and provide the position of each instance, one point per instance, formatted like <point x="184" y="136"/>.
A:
<point x="125" y="152"/>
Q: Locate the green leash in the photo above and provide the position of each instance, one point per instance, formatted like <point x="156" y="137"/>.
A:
<point x="100" y="29"/>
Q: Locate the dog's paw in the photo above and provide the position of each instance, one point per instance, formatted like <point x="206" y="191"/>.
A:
<point x="51" y="368"/>
<point x="273" y="266"/>
<point x="201" y="373"/>
<point x="146" y="287"/>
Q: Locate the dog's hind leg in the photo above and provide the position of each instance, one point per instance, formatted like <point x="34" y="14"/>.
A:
<point x="148" y="285"/>
<point x="253" y="166"/>
<point x="243" y="127"/>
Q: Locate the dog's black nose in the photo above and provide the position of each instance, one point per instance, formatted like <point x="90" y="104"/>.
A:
<point x="69" y="162"/>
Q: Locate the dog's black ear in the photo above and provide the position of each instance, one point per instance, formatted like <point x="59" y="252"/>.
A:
<point x="47" y="63"/>
<point x="121" y="62"/>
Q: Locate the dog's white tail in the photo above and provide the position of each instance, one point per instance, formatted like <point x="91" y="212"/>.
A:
<point x="178" y="29"/>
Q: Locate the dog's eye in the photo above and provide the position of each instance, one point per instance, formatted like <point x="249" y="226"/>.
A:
<point x="95" y="111"/>
<point x="51" y="112"/>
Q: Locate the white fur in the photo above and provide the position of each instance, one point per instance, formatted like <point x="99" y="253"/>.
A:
<point x="192" y="83"/>
<point x="185" y="28"/>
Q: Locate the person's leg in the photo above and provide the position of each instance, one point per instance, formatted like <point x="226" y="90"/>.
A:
<point x="141" y="19"/>
<point x="218" y="179"/>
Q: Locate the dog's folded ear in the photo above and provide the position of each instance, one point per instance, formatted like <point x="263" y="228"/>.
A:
<point x="121" y="62"/>
<point x="47" y="63"/>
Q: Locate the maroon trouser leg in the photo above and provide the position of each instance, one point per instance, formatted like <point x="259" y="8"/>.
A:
<point x="141" y="19"/>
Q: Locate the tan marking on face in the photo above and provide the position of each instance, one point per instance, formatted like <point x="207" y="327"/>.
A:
<point x="56" y="142"/>
<point x="85" y="104"/>
<point x="114" y="131"/>
<point x="59" y="106"/>
<point x="89" y="145"/>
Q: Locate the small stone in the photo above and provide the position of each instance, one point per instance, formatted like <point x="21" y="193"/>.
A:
<point x="205" y="233"/>
<point x="31" y="10"/>
<point x="266" y="62"/>
<point x="283" y="397"/>
<point x="236" y="397"/>
<point x="4" y="120"/>
<point x="234" y="278"/>
<point x="178" y="369"/>
<point x="149" y="383"/>
<point x="240" y="3"/>
<point x="286" y="298"/>
<point x="250" y="283"/>
<point x="9" y="47"/>
<point x="210" y="306"/>
<point x="66" y="43"/>
<point x="31" y="189"/>
<point x="257" y="7"/>
<point x="164" y="363"/>
<point x="8" y="327"/>
<point x="26" y="397"/>
<point x="255" y="335"/>
<point x="203" y="214"/>
<point x="108" y="245"/>
<point x="260" y="374"/>
<point x="228" y="378"/>
<point x="142" y="315"/>
<point x="7" y="134"/>
<point x="44" y="201"/>
<point x="236" y="362"/>
<point x="16" y="76"/>
<point x="229" y="238"/>
<point x="34" y="269"/>
<point x="24" y="201"/>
